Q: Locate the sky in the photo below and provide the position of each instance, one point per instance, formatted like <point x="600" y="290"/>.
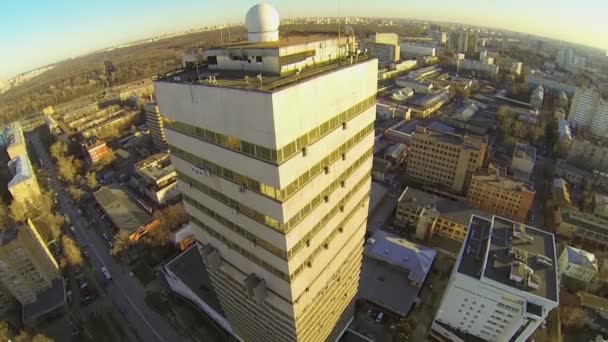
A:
<point x="34" y="33"/>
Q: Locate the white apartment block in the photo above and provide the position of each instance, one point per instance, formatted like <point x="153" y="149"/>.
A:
<point x="154" y="120"/>
<point x="503" y="285"/>
<point x="273" y="145"/>
<point x="578" y="264"/>
<point x="589" y="110"/>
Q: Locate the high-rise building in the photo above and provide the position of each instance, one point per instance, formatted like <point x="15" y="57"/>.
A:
<point x="578" y="264"/>
<point x="27" y="267"/>
<point x="445" y="160"/>
<point x="565" y="57"/>
<point x="384" y="38"/>
<point x="277" y="186"/>
<point x="494" y="191"/>
<point x="463" y="42"/>
<point x="154" y="120"/>
<point x="583" y="107"/>
<point x="503" y="285"/>
<point x="416" y="50"/>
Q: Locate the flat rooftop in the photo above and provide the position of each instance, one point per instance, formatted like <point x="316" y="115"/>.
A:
<point x="121" y="209"/>
<point x="502" y="180"/>
<point x="250" y="81"/>
<point x="401" y="253"/>
<point x="156" y="166"/>
<point x="46" y="301"/>
<point x="511" y="253"/>
<point x="523" y="151"/>
<point x="584" y="220"/>
<point x="467" y="140"/>
<point x="386" y="286"/>
<point x="451" y="209"/>
<point x="283" y="42"/>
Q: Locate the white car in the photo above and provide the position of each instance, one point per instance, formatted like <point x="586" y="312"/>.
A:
<point x="73" y="229"/>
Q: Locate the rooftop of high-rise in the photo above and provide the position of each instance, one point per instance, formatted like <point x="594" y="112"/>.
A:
<point x="265" y="61"/>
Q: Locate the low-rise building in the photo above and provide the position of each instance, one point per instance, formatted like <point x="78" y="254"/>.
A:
<point x="433" y="214"/>
<point x="477" y="67"/>
<point x="395" y="154"/>
<point x="398" y="266"/>
<point x="445" y="160"/>
<point x="380" y="169"/>
<point x="503" y="286"/>
<point x="571" y="173"/>
<point x="578" y="264"/>
<point x="581" y="228"/>
<point x="592" y="155"/>
<point x="156" y="178"/>
<point x="600" y="205"/>
<point x="565" y="136"/>
<point x="426" y="105"/>
<point x="383" y="46"/>
<point x="537" y="97"/>
<point x="124" y="213"/>
<point x="549" y="82"/>
<point x="23" y="187"/>
<point x="415" y="50"/>
<point x="95" y="151"/>
<point x="560" y="192"/>
<point x="522" y="163"/>
<point x="494" y="191"/>
<point x="417" y="86"/>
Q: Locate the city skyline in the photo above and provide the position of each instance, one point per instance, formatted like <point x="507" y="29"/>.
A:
<point x="65" y="37"/>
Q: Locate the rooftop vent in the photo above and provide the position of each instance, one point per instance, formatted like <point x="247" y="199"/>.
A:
<point x="256" y="288"/>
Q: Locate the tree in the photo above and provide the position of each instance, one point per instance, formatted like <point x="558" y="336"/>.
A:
<point x="573" y="316"/>
<point x="19" y="212"/>
<point x="4" y="331"/>
<point x="517" y="129"/>
<point x="91" y="179"/>
<point x="5" y="215"/>
<point x="59" y="150"/>
<point x="122" y="242"/>
<point x="173" y="217"/>
<point x="76" y="193"/>
<point x="68" y="168"/>
<point x="71" y="251"/>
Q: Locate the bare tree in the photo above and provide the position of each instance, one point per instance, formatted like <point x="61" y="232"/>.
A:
<point x="68" y="168"/>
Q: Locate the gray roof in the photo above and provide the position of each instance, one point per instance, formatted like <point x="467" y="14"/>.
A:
<point x="524" y="151"/>
<point x="452" y="209"/>
<point x="191" y="270"/>
<point x="122" y="211"/>
<point x="503" y="250"/>
<point x="402" y="253"/>
<point x="46" y="301"/>
<point x="386" y="286"/>
<point x="582" y="258"/>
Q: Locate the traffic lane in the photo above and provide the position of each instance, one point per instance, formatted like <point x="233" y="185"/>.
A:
<point x="128" y="288"/>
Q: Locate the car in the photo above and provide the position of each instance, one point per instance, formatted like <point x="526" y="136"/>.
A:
<point x="379" y="317"/>
<point x="67" y="219"/>
<point x="73" y="229"/>
<point x="105" y="236"/>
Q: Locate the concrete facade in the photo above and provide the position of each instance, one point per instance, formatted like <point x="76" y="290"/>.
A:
<point x="28" y="267"/>
<point x="277" y="187"/>
<point x="494" y="191"/>
<point x="445" y="160"/>
<point x="499" y="290"/>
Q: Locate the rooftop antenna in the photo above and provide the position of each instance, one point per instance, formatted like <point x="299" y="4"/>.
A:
<point x="261" y="79"/>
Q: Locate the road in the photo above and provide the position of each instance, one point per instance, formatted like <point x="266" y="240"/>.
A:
<point x="125" y="292"/>
<point x="537" y="214"/>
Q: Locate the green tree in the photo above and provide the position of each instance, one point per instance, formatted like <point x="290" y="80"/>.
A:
<point x="71" y="251"/>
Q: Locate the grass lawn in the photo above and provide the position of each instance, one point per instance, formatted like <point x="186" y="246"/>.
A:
<point x="143" y="272"/>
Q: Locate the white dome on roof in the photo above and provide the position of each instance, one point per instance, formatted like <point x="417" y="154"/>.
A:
<point x="262" y="23"/>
